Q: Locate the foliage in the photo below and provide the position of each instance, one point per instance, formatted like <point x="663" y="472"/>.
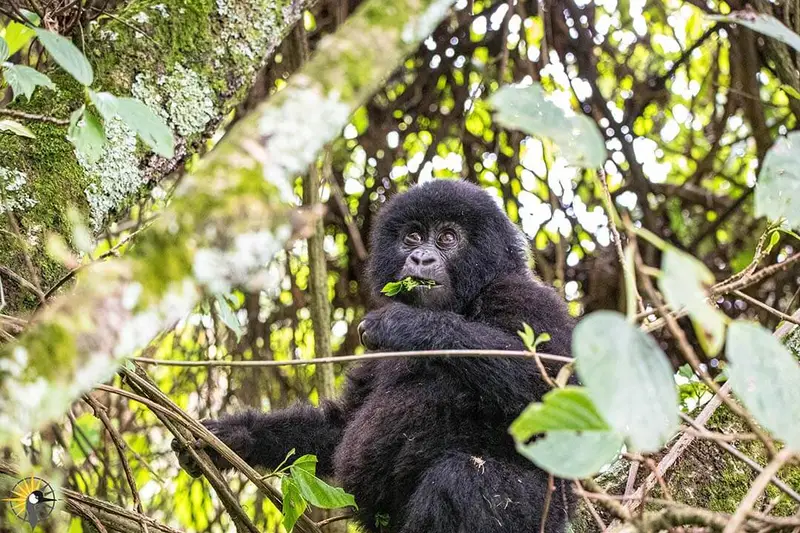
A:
<point x="407" y="284"/>
<point x="689" y="117"/>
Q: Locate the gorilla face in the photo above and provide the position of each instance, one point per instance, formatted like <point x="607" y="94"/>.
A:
<point x="428" y="251"/>
<point x="447" y="231"/>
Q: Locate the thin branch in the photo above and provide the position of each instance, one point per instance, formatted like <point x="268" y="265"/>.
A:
<point x="32" y="116"/>
<point x="510" y="354"/>
<point x="766" y="307"/>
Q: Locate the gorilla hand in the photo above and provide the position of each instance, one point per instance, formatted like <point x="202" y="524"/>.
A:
<point x="394" y="327"/>
<point x="236" y="436"/>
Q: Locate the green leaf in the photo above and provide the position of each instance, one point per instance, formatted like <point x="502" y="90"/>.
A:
<point x="407" y="284"/>
<point x="306" y="462"/>
<point x="766" y="378"/>
<point x="316" y="491"/>
<point x="683" y="282"/>
<point x="228" y="316"/>
<point x="569" y="408"/>
<point x="791" y="91"/>
<point x="778" y="186"/>
<point x="106" y="104"/>
<point x="294" y="505"/>
<point x="87" y="134"/>
<point x="527" y="109"/>
<point x="150" y="127"/>
<point x="3" y="50"/>
<point x="766" y="24"/>
<point x="23" y="80"/>
<point x="573" y="455"/>
<point x="628" y="378"/>
<point x="12" y="126"/>
<point x="67" y="56"/>
<point x="17" y="35"/>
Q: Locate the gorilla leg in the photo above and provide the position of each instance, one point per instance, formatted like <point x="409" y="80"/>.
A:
<point x="464" y="494"/>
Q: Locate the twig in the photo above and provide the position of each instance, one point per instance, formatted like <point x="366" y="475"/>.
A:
<point x="766" y="307"/>
<point x="756" y="489"/>
<point x="337" y="518"/>
<point x="510" y="354"/>
<point x="590" y="505"/>
<point x="31" y="116"/>
<point x="551" y="487"/>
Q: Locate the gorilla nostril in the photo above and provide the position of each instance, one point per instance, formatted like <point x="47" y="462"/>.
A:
<point x="422" y="258"/>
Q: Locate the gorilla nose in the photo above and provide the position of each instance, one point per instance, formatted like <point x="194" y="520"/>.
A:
<point x="423" y="258"/>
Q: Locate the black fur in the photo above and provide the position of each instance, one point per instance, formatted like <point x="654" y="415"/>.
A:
<point x="425" y="441"/>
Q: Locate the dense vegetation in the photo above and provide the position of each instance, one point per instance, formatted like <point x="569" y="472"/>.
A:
<point x="191" y="183"/>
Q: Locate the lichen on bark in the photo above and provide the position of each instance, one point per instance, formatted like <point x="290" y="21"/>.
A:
<point x="185" y="59"/>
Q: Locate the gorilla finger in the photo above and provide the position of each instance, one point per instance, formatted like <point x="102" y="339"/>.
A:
<point x="362" y="329"/>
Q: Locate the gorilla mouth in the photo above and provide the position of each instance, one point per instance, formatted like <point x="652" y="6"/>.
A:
<point x="408" y="284"/>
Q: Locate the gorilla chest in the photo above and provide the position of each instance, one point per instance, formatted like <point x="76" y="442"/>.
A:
<point x="399" y="431"/>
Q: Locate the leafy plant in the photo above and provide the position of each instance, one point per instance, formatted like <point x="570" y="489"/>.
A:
<point x="407" y="284"/>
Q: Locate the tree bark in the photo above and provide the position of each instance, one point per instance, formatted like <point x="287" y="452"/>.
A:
<point x="191" y="62"/>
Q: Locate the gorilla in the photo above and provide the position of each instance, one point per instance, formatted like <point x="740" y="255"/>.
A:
<point x="423" y="443"/>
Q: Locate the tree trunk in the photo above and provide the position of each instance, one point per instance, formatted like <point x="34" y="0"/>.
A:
<point x="190" y="71"/>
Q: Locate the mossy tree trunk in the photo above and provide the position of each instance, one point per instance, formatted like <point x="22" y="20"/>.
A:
<point x="191" y="61"/>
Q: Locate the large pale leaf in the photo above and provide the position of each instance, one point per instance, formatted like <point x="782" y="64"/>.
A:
<point x="683" y="282"/>
<point x="778" y="186"/>
<point x="527" y="109"/>
<point x="766" y="377"/>
<point x="571" y="454"/>
<point x="316" y="491"/>
<point x="150" y="127"/>
<point x="766" y="24"/>
<point x="12" y="126"/>
<point x="67" y="56"/>
<point x="23" y="80"/>
<point x="628" y="378"/>
<point x="106" y="104"/>
<point x="569" y="408"/>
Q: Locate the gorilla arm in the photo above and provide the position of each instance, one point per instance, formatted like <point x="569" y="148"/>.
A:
<point x="400" y="327"/>
<point x="264" y="439"/>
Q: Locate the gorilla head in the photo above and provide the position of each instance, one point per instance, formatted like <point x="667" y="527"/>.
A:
<point x="449" y="232"/>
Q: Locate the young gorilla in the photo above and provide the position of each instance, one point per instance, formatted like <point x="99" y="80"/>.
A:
<point x="425" y="441"/>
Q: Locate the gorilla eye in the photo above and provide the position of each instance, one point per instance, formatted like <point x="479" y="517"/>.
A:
<point x="447" y="239"/>
<point x="413" y="239"/>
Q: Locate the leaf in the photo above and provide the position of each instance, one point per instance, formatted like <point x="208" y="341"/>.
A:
<point x="766" y="378"/>
<point x="766" y="24"/>
<point x="67" y="56"/>
<point x="778" y="186"/>
<point x="86" y="134"/>
<point x="683" y="281"/>
<point x="317" y="492"/>
<point x="16" y="128"/>
<point x="23" y="80"/>
<point x="294" y="505"/>
<point x="628" y="378"/>
<point x="17" y="35"/>
<point x="573" y="455"/>
<point x="228" y="316"/>
<point x="106" y="104"/>
<point x="527" y="109"/>
<point x="306" y="462"/>
<point x="3" y="50"/>
<point x="150" y="127"/>
<point x="407" y="284"/>
<point x="569" y="408"/>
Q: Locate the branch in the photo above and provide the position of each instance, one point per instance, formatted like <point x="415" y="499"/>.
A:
<point x="226" y="222"/>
